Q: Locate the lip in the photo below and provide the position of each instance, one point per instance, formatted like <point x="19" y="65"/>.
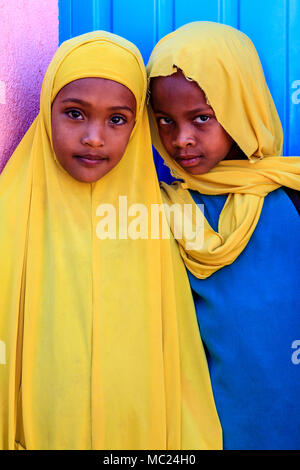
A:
<point x="90" y="159"/>
<point x="189" y="160"/>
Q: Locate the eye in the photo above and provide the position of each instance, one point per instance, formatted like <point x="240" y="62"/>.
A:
<point x="74" y="114"/>
<point x="118" y="120"/>
<point x="164" y="121"/>
<point x="202" y="118"/>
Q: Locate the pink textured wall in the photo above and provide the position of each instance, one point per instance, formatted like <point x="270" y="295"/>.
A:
<point x="28" y="40"/>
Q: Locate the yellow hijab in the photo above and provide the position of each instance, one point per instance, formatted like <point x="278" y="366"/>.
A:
<point x="225" y="64"/>
<point x="100" y="336"/>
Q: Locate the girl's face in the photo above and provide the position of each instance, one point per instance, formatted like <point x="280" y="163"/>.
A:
<point x="92" y="119"/>
<point x="187" y="125"/>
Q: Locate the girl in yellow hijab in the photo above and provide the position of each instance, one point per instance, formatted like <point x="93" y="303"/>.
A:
<point x="215" y="124"/>
<point x="99" y="347"/>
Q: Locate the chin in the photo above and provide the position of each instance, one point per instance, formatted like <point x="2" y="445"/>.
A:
<point x="196" y="171"/>
<point x="86" y="178"/>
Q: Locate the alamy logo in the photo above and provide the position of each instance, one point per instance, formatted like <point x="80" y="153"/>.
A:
<point x="137" y="221"/>
<point x="296" y="354"/>
<point x="296" y="94"/>
<point x="2" y="352"/>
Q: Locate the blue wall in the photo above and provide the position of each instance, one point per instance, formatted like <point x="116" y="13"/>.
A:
<point x="273" y="26"/>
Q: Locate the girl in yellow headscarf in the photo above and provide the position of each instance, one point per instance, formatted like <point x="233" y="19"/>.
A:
<point x="215" y="124"/>
<point x="99" y="348"/>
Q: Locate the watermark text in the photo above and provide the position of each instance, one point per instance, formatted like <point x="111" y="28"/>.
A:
<point x="137" y="221"/>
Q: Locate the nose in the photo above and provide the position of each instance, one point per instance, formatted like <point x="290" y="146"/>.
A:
<point x="184" y="137"/>
<point x="93" y="135"/>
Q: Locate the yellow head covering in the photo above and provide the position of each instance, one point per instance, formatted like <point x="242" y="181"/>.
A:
<point x="225" y="64"/>
<point x="100" y="336"/>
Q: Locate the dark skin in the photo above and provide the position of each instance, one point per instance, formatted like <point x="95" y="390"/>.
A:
<point x="187" y="125"/>
<point x="92" y="120"/>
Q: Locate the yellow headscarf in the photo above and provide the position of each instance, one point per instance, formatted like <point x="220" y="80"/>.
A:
<point x="99" y="342"/>
<point x="225" y="64"/>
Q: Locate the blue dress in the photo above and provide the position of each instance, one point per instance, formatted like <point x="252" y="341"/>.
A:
<point x="249" y="317"/>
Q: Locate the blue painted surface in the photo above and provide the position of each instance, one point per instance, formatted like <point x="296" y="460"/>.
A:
<point x="273" y="26"/>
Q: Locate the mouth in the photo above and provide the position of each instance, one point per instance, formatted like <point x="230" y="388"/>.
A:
<point x="91" y="160"/>
<point x="189" y="160"/>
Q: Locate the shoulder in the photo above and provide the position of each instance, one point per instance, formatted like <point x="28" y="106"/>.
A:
<point x="175" y="193"/>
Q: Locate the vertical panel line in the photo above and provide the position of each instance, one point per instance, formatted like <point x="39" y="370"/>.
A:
<point x="64" y="20"/>
<point x="238" y="14"/>
<point x="71" y="18"/>
<point x="156" y="5"/>
<point x="96" y="15"/>
<point x="287" y="78"/>
<point x="220" y="11"/>
<point x="111" y="16"/>
<point x="173" y="14"/>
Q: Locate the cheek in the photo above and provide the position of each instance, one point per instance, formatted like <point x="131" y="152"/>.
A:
<point x="64" y="141"/>
<point x="223" y="141"/>
<point x="227" y="144"/>
<point x="58" y="139"/>
<point x="59" y="143"/>
<point x="165" y="137"/>
<point x="120" y="143"/>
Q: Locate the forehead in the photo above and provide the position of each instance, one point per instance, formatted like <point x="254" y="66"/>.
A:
<point x="175" y="91"/>
<point x="94" y="89"/>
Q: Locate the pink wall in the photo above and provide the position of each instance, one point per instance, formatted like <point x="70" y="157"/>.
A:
<point x="28" y="40"/>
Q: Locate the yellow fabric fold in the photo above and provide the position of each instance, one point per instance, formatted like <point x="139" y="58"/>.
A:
<point x="225" y="64"/>
<point x="101" y="343"/>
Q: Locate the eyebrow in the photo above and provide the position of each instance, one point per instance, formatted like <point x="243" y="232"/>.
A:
<point x="75" y="100"/>
<point x="122" y="107"/>
<point x="191" y="111"/>
<point x="85" y="103"/>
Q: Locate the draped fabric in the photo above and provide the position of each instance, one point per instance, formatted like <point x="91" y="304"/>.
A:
<point x="225" y="65"/>
<point x="248" y="313"/>
<point x="101" y="344"/>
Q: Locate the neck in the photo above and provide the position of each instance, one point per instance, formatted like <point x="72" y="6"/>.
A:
<point x="235" y="153"/>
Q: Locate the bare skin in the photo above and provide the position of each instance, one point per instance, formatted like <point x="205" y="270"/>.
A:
<point x="92" y="120"/>
<point x="187" y="125"/>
